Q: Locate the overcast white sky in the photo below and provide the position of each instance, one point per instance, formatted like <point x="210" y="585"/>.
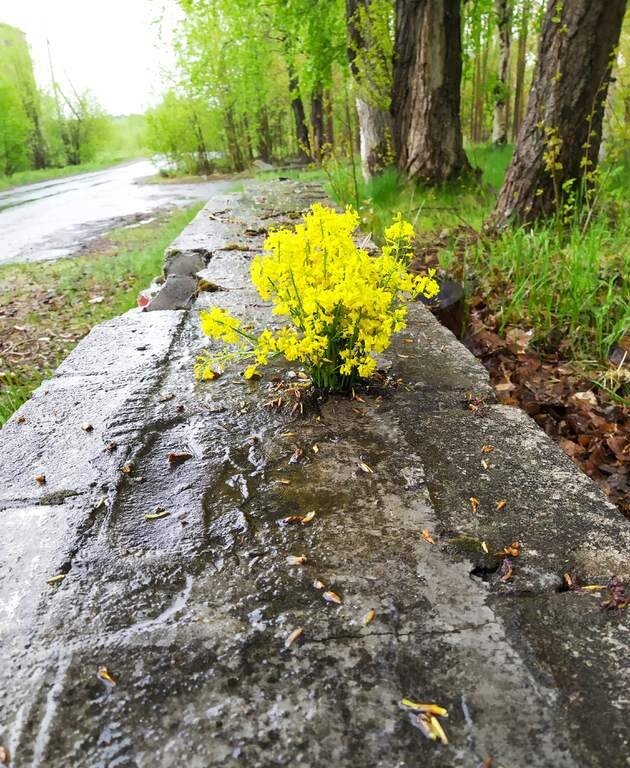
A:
<point x="112" y="47"/>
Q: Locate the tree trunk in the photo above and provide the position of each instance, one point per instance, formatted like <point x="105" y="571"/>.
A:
<point x="520" y="69"/>
<point x="301" y="128"/>
<point x="329" y="135"/>
<point x="375" y="128"/>
<point x="234" y="147"/>
<point x="560" y="137"/>
<point x="317" y="121"/>
<point x="426" y="92"/>
<point x="502" y="92"/>
<point x="265" y="141"/>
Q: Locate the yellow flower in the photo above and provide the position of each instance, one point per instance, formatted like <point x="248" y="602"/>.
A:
<point x="218" y="324"/>
<point x="340" y="305"/>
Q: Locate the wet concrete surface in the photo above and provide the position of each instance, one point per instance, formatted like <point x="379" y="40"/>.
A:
<point x="190" y="612"/>
<point x="55" y="218"/>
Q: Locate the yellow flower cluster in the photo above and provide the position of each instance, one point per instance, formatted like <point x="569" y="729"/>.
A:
<point x="343" y="305"/>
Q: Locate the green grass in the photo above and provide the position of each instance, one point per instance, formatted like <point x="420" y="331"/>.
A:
<point x="51" y="301"/>
<point x="572" y="286"/>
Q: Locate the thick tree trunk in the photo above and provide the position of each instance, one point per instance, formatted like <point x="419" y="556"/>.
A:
<point x="560" y="137"/>
<point x="502" y="91"/>
<point x="375" y="130"/>
<point x="317" y="121"/>
<point x="374" y="138"/>
<point x="301" y="128"/>
<point x="426" y="92"/>
<point x="519" y="85"/>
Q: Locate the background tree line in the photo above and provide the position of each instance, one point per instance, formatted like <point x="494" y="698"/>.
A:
<point x="405" y="82"/>
<point x="40" y="129"/>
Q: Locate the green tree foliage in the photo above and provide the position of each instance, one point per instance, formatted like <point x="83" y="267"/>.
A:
<point x="15" y="129"/>
<point x="182" y="130"/>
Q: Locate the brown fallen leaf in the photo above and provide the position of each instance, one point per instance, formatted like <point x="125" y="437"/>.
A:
<point x="318" y="584"/>
<point x="290" y="520"/>
<point x="4" y="755"/>
<point x="293" y="637"/>
<point x="365" y="468"/>
<point x="127" y="468"/>
<point x="487" y="449"/>
<point x="298" y="455"/>
<point x="427" y="537"/>
<point x="369" y="617"/>
<point x="332" y="597"/>
<point x="104" y="675"/>
<point x="308" y="518"/>
<point x="507" y="571"/>
<point x="56" y="579"/>
<point x="474" y="504"/>
<point x="40" y="479"/>
<point x="500" y="504"/>
<point x="87" y="427"/>
<point x="20" y="420"/>
<point x="296" y="559"/>
<point x="178" y="457"/>
<point x="513" y="550"/>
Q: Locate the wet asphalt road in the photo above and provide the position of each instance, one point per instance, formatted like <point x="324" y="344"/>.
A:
<point x="56" y="218"/>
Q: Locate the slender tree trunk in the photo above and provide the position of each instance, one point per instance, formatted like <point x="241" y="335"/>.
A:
<point x="329" y="128"/>
<point x="426" y="92"/>
<point x="560" y="137"/>
<point x="234" y="147"/>
<point x="502" y="92"/>
<point x="265" y="141"/>
<point x="483" y="81"/>
<point x="317" y="121"/>
<point x="520" y="68"/>
<point x="301" y="128"/>
<point x="375" y="131"/>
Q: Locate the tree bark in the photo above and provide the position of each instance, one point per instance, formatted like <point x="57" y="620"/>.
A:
<point x="561" y="133"/>
<point x="502" y="91"/>
<point x="375" y="131"/>
<point x="317" y="121"/>
<point x="265" y="141"/>
<point x="426" y="91"/>
<point x="301" y="128"/>
<point x="329" y="135"/>
<point x="520" y="69"/>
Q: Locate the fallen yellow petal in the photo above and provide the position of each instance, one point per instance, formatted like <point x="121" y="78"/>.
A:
<point x="103" y="674"/>
<point x="431" y="709"/>
<point x="293" y="637"/>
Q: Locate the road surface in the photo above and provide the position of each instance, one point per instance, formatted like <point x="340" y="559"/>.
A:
<point x="55" y="218"/>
